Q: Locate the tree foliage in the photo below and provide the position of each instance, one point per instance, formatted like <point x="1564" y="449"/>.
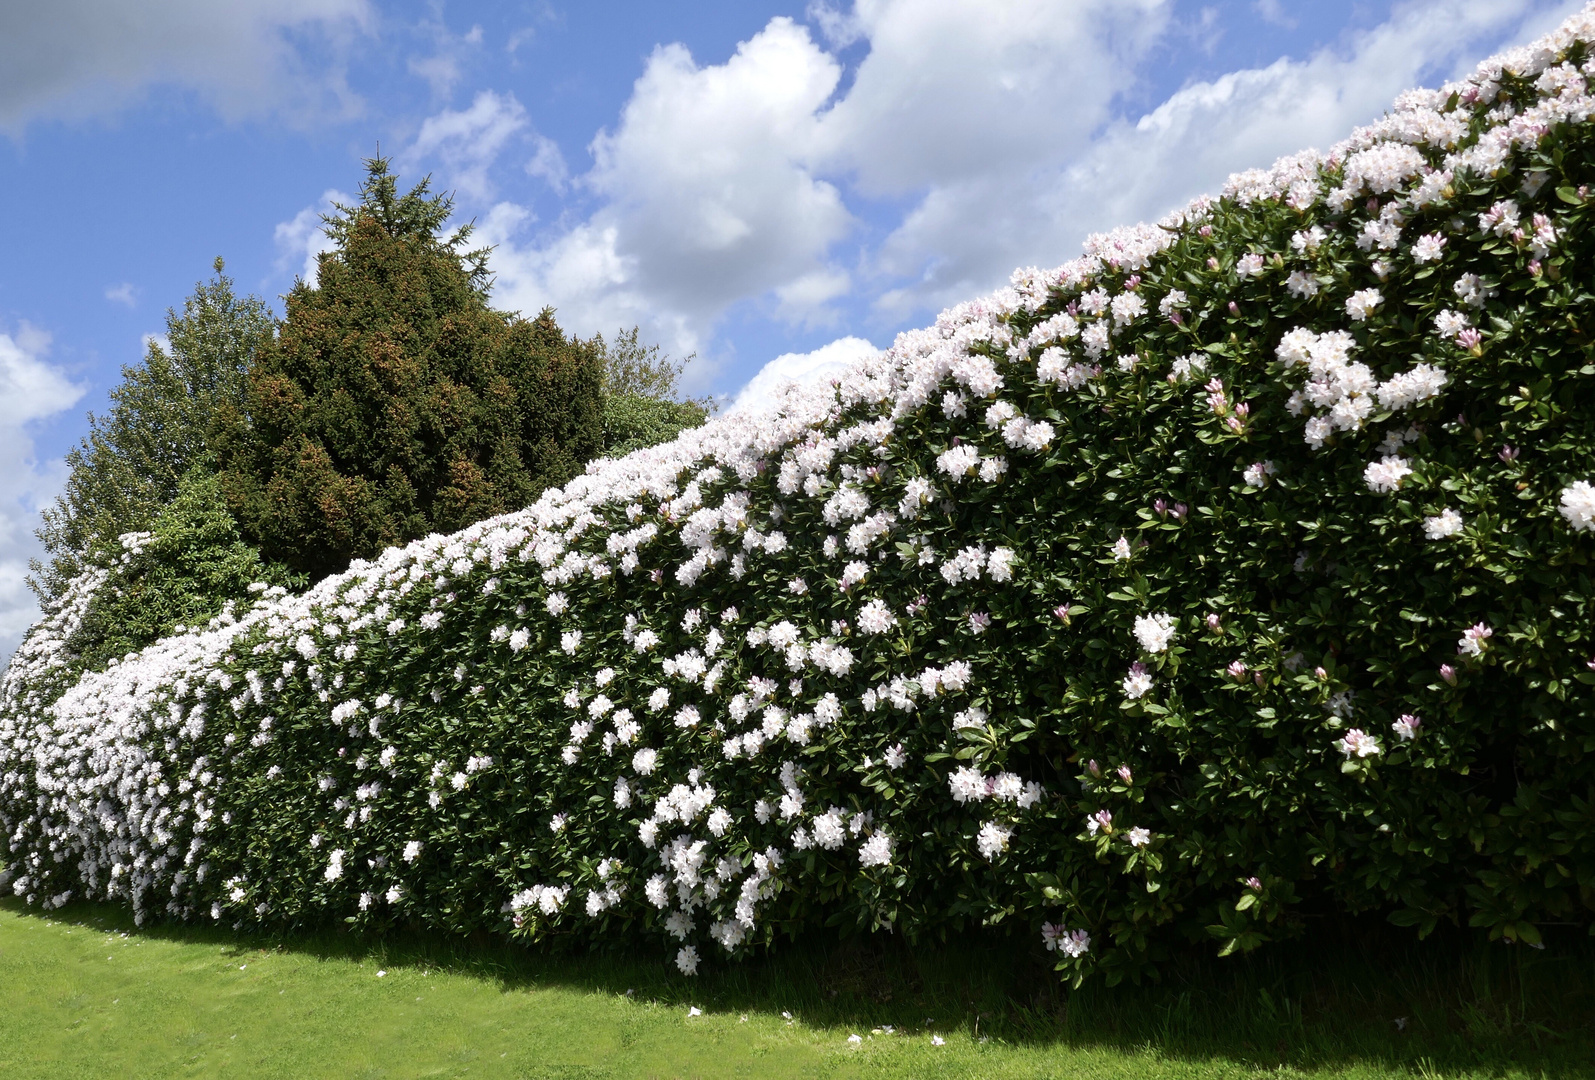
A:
<point x="395" y="401"/>
<point x="130" y="465"/>
<point x="189" y="567"/>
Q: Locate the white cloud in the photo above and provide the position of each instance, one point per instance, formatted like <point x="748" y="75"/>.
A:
<point x="764" y="390"/>
<point x="708" y="198"/>
<point x="719" y="181"/>
<point x="467" y="141"/>
<point x="301" y="238"/>
<point x="74" y="58"/>
<point x="549" y="164"/>
<point x="959" y="88"/>
<point x="126" y="293"/>
<point x="967" y="236"/>
<point x="31" y="389"/>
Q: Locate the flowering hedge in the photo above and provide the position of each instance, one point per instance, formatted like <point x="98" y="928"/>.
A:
<point x="1237" y="571"/>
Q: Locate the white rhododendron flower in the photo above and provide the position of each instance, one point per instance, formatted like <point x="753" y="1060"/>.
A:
<point x="1446" y="523"/>
<point x="1363" y="303"/>
<point x="1385" y="475"/>
<point x="1154" y="632"/>
<point x="1578" y="505"/>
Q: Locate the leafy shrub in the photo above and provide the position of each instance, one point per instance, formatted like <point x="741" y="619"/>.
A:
<point x="184" y="571"/>
<point x="394" y="402"/>
<point x="632" y="421"/>
<point x="1236" y="573"/>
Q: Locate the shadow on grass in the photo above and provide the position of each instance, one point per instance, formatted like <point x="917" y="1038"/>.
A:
<point x="1353" y="992"/>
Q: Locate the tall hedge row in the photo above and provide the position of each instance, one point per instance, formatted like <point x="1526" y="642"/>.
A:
<point x="1233" y="574"/>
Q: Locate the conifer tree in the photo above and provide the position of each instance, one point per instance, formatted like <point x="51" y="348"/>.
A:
<point x="395" y="402"/>
<point x="135" y="456"/>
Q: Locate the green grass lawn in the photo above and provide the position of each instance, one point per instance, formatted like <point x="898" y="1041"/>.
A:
<point x="82" y="994"/>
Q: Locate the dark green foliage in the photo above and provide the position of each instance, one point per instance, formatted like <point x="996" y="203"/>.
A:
<point x="395" y="402"/>
<point x="192" y="565"/>
<point x="632" y="421"/>
<point x="131" y="463"/>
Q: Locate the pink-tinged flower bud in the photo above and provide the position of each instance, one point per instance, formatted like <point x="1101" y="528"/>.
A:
<point x="1235" y="424"/>
<point x="1212" y="622"/>
<point x="1132" y="282"/>
<point x="1237" y="670"/>
<point x="1253" y="884"/>
<point x="1061" y="613"/>
<point x="1590" y="663"/>
<point x="1535" y="269"/>
<point x="1257" y="677"/>
<point x="1176" y="318"/>
<point x="1373" y="206"/>
<point x="1448" y="673"/>
<point x="1509" y="454"/>
<point x="1470" y="338"/>
<point x="1212" y="262"/>
<point x="656" y="575"/>
<point x="1179" y="510"/>
<point x="1205" y="230"/>
<point x="1093" y="768"/>
<point x="1320" y="673"/>
<point x="1234" y="308"/>
<point x="1160" y="507"/>
<point x="1124" y="773"/>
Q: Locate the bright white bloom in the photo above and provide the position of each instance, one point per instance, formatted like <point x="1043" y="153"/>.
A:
<point x="1362" y="303"/>
<point x="1154" y="632"/>
<point x="1301" y="284"/>
<point x="1578" y="505"/>
<point x="876" y="618"/>
<point x="556" y="603"/>
<point x="967" y="785"/>
<point x="570" y="641"/>
<point x="1249" y="265"/>
<point x="992" y="840"/>
<point x="1137" y="682"/>
<point x="1138" y="837"/>
<point x="1121" y="549"/>
<point x="645" y="760"/>
<point x="876" y="851"/>
<point x="1429" y="247"/>
<point x="1406" y="727"/>
<point x="1385" y="475"/>
<point x="1446" y="523"/>
<point x="687" y="960"/>
<point x="1449" y="323"/>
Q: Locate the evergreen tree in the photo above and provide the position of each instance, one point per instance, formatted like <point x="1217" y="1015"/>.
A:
<point x="395" y="402"/>
<point x="129" y="466"/>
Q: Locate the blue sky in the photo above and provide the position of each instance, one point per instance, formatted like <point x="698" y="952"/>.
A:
<point x="773" y="186"/>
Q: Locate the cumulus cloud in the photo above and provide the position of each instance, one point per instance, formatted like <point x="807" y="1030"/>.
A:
<point x="468" y="141"/>
<point x="75" y="58"/>
<point x="31" y="390"/>
<point x="707" y="198"/>
<point x="764" y="390"/>
<point x="968" y="234"/>
<point x="126" y="294"/>
<point x="301" y="238"/>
